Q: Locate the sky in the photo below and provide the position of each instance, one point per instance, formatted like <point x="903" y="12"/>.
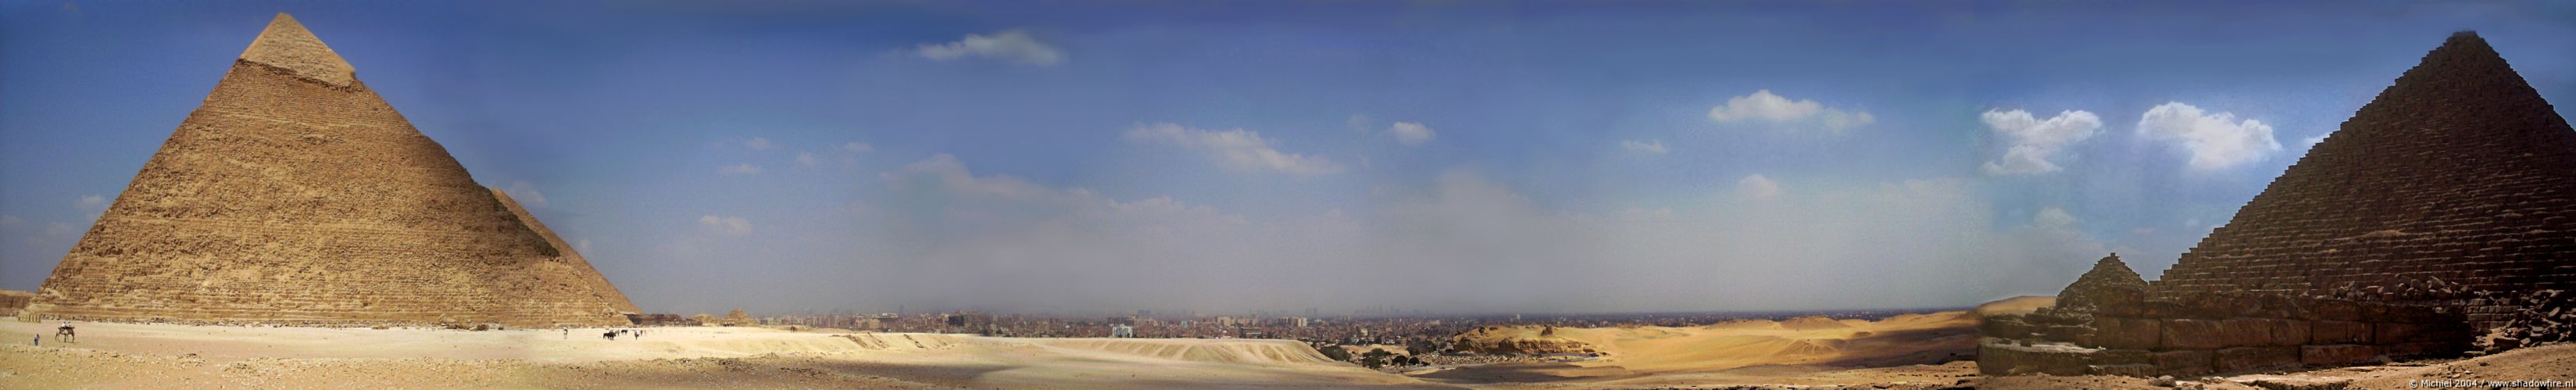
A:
<point x="1457" y="157"/>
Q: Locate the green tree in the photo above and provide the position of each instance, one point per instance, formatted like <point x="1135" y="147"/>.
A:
<point x="1336" y="352"/>
<point x="1375" y="358"/>
<point x="1421" y="347"/>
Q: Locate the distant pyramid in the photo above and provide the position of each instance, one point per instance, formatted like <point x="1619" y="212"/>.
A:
<point x="2108" y="273"/>
<point x="295" y="195"/>
<point x="2459" y="172"/>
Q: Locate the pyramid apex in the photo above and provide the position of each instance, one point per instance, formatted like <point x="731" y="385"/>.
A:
<point x="285" y="44"/>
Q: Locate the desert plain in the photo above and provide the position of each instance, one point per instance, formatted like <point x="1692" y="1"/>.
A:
<point x="1919" y="351"/>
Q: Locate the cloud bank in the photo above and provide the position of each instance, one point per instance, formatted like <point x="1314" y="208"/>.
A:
<point x="935" y="234"/>
<point x="1013" y="45"/>
<point x="1763" y="106"/>
<point x="2033" y="146"/>
<point x="1241" y="150"/>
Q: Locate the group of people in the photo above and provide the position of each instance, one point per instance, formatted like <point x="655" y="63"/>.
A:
<point x="612" y="333"/>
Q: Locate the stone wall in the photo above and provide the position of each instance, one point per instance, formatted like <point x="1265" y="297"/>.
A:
<point x="12" y="300"/>
<point x="2199" y="334"/>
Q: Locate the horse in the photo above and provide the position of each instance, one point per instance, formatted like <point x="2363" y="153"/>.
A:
<point x="64" y="333"/>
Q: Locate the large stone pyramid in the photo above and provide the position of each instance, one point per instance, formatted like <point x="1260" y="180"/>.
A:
<point x="2459" y="172"/>
<point x="295" y="195"/>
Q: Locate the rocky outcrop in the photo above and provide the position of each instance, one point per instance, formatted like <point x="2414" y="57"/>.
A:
<point x="1506" y="340"/>
<point x="2539" y="318"/>
<point x="738" y="318"/>
<point x="295" y="195"/>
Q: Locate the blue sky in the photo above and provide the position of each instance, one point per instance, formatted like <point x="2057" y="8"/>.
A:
<point x="1460" y="156"/>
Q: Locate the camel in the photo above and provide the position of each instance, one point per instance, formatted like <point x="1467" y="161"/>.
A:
<point x="64" y="333"/>
<point x="611" y="335"/>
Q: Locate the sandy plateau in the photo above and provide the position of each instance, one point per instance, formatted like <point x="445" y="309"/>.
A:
<point x="1911" y="351"/>
<point x="113" y="355"/>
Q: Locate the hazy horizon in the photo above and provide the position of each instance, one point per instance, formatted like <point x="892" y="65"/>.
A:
<point x="785" y="157"/>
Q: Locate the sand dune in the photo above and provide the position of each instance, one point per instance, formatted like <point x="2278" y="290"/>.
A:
<point x="2014" y="305"/>
<point x="1265" y="352"/>
<point x="1633" y="354"/>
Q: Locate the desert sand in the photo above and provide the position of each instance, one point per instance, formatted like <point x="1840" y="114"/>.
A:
<point x="1807" y="350"/>
<point x="114" y="355"/>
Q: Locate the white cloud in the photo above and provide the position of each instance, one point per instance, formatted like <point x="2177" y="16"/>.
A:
<point x="2034" y="145"/>
<point x="861" y="147"/>
<point x="526" y="194"/>
<point x="584" y="245"/>
<point x="757" y="143"/>
<point x="1013" y="45"/>
<point x="91" y="203"/>
<point x="1757" y="187"/>
<point x="1409" y="133"/>
<point x="1238" y="149"/>
<point x="1763" y="106"/>
<point x="2215" y="141"/>
<point x="731" y="226"/>
<point x="2053" y="217"/>
<point x="10" y="220"/>
<point x="807" y="159"/>
<point x="1647" y="147"/>
<point x="740" y="169"/>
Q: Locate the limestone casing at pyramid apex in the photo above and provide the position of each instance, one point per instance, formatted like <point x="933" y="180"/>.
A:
<point x="285" y="44"/>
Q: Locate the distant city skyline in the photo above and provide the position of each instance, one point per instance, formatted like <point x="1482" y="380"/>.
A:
<point x="786" y="157"/>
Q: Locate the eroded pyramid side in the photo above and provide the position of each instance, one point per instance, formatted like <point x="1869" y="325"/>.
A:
<point x="2459" y="171"/>
<point x="294" y="194"/>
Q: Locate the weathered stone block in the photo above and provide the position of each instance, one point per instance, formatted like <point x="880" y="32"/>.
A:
<point x="2189" y="334"/>
<point x="2289" y="332"/>
<point x="2275" y="306"/>
<point x="2412" y="315"/>
<point x="2005" y="326"/>
<point x="2335" y="310"/>
<point x="2245" y="332"/>
<point x="2125" y="333"/>
<point x="2167" y="309"/>
<point x="2422" y="350"/>
<point x="2183" y="362"/>
<point x="2244" y="359"/>
<point x="2375" y="311"/>
<point x="2123" y="356"/>
<point x="2002" y="358"/>
<point x="2394" y="333"/>
<point x="2076" y="334"/>
<point x="2133" y="370"/>
<point x="2337" y="355"/>
<point x="2338" y="332"/>
<point x="2216" y="306"/>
